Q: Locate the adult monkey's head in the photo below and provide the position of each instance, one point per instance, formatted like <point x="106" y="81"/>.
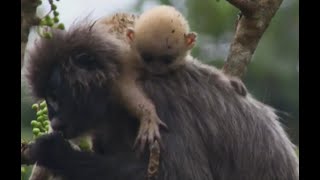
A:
<point x="73" y="72"/>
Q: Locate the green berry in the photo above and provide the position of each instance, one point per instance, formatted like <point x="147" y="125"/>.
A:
<point x="47" y="127"/>
<point x="55" y="13"/>
<point x="35" y="106"/>
<point x="41" y="134"/>
<point x="56" y="19"/>
<point x="61" y="26"/>
<point x="84" y="145"/>
<point x="48" y="36"/>
<point x="36" y="131"/>
<point x="40" y="118"/>
<point x="43" y="22"/>
<point x="50" y="1"/>
<point x="45" y="110"/>
<point x="39" y="113"/>
<point x="23" y="170"/>
<point x="38" y="125"/>
<point x="50" y="23"/>
<point x="43" y="104"/>
<point x="47" y="18"/>
<point x="46" y="123"/>
<point x="53" y="7"/>
<point x="34" y="123"/>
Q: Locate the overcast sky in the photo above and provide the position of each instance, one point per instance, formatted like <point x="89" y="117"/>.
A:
<point x="71" y="10"/>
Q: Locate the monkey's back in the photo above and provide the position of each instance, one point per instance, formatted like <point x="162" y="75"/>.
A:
<point x="216" y="134"/>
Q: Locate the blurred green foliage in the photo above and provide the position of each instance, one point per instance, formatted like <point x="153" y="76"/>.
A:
<point x="272" y="76"/>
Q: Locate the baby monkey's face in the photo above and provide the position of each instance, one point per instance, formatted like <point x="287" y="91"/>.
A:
<point x="161" y="51"/>
<point x="157" y="63"/>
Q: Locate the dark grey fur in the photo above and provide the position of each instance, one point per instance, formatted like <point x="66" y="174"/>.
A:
<point x="215" y="134"/>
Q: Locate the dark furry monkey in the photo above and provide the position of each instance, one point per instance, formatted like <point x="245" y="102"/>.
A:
<point x="216" y="134"/>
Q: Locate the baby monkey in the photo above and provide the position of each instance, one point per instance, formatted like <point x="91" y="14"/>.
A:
<point x="162" y="38"/>
<point x="127" y="86"/>
<point x="159" y="41"/>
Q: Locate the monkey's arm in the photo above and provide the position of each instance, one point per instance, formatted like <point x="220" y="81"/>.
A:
<point x="140" y="106"/>
<point x="54" y="153"/>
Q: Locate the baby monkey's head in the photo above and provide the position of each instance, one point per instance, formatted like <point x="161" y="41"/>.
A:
<point x="162" y="37"/>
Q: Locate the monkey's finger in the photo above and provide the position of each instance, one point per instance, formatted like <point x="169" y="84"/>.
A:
<point x="164" y="125"/>
<point x="160" y="142"/>
<point x="143" y="141"/>
<point x="137" y="142"/>
<point x="151" y="136"/>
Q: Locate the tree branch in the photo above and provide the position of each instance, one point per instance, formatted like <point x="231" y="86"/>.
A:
<point x="247" y="7"/>
<point x="257" y="14"/>
<point x="28" y="19"/>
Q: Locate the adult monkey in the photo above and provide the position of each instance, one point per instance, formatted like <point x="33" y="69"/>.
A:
<point x="217" y="134"/>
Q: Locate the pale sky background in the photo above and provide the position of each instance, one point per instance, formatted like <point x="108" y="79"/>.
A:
<point x="72" y="10"/>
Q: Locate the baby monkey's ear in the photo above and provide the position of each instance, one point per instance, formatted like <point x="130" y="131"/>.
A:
<point x="190" y="39"/>
<point x="130" y="34"/>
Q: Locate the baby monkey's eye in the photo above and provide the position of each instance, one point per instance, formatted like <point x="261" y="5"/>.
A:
<point x="146" y="57"/>
<point x="167" y="59"/>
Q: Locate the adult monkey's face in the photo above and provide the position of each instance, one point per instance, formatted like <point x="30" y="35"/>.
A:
<point x="73" y="72"/>
<point x="72" y="109"/>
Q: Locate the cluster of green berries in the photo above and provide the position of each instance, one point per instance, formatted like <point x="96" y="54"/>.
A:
<point x="51" y="20"/>
<point x="41" y="125"/>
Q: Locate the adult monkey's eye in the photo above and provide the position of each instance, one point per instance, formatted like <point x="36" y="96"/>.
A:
<point x="85" y="60"/>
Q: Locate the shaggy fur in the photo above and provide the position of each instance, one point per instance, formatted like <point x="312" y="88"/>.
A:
<point x="214" y="132"/>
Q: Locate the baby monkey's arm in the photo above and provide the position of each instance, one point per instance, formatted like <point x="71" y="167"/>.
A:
<point x="139" y="105"/>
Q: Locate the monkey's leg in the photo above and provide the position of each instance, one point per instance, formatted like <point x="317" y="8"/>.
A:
<point x="139" y="105"/>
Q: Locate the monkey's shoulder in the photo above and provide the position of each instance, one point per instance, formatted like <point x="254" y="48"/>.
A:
<point x="216" y="77"/>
